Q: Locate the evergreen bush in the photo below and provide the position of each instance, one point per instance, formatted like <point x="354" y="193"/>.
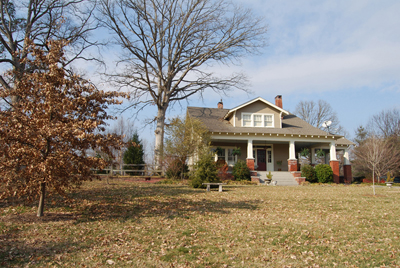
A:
<point x="241" y="171"/>
<point x="308" y="172"/>
<point x="324" y="173"/>
<point x="134" y="155"/>
<point x="205" y="171"/>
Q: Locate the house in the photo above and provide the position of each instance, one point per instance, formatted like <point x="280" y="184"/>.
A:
<point x="269" y="137"/>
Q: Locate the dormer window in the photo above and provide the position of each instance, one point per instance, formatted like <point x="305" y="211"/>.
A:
<point x="257" y="120"/>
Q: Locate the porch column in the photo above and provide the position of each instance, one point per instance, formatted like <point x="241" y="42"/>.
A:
<point x="250" y="157"/>
<point x="332" y="151"/>
<point x="348" y="177"/>
<point x="312" y="156"/>
<point x="292" y="161"/>
<point x="334" y="163"/>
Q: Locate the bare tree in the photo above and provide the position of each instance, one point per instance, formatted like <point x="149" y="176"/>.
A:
<point x="169" y="45"/>
<point x="385" y="124"/>
<point x="377" y="155"/>
<point x="317" y="113"/>
<point x="40" y="21"/>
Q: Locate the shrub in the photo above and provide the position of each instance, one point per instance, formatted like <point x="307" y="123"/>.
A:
<point x="205" y="171"/>
<point x="324" y="173"/>
<point x="308" y="172"/>
<point x="241" y="171"/>
<point x="177" y="169"/>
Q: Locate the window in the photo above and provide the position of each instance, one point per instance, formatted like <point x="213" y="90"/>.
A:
<point x="227" y="156"/>
<point x="268" y="120"/>
<point x="257" y="120"/>
<point x="247" y="120"/>
<point x="221" y="155"/>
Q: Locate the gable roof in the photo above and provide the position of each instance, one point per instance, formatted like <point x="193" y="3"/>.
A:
<point x="231" y="111"/>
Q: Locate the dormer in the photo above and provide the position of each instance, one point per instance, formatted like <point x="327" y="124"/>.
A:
<point x="258" y="113"/>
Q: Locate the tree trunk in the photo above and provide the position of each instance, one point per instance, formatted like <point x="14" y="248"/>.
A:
<point x="41" y="201"/>
<point x="158" y="147"/>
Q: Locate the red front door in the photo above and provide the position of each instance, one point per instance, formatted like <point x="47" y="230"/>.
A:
<point x="261" y="160"/>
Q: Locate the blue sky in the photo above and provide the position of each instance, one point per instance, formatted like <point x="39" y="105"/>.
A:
<point x="344" y="52"/>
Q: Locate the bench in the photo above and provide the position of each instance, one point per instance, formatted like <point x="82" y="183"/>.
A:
<point x="214" y="183"/>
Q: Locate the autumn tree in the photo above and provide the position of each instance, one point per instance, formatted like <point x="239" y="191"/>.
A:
<point x="378" y="155"/>
<point x="168" y="47"/>
<point x="317" y="113"/>
<point x="40" y="21"/>
<point x="44" y="139"/>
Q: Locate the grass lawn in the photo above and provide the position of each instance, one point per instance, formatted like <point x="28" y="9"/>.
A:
<point x="130" y="224"/>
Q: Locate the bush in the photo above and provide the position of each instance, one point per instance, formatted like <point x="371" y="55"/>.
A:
<point x="308" y="172"/>
<point x="177" y="169"/>
<point x="324" y="173"/>
<point x="205" y="171"/>
<point x="241" y="171"/>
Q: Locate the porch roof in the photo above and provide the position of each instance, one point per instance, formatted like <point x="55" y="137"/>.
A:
<point x="213" y="119"/>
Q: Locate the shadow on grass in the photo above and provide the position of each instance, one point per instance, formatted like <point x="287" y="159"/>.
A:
<point x="134" y="203"/>
<point x="17" y="253"/>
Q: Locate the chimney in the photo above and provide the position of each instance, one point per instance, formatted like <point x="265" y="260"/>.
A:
<point x="220" y="105"/>
<point x="278" y="101"/>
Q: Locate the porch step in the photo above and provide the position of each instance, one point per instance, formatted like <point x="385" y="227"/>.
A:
<point x="283" y="178"/>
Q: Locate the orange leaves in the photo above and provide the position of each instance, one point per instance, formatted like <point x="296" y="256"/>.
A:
<point x="46" y="134"/>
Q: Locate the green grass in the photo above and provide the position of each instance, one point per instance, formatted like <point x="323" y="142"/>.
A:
<point x="154" y="225"/>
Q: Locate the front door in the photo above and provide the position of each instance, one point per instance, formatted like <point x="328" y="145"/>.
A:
<point x="261" y="160"/>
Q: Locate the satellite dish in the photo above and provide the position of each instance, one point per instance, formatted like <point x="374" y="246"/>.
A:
<point x="326" y="124"/>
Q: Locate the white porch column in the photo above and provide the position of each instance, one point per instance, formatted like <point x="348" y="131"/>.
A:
<point x="346" y="157"/>
<point x="292" y="154"/>
<point x="312" y="155"/>
<point x="333" y="151"/>
<point x="250" y="149"/>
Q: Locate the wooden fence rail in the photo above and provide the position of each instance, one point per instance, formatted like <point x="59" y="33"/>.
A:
<point x="137" y="169"/>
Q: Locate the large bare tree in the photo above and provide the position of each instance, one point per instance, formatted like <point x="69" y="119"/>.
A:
<point x="169" y="46"/>
<point x="385" y="124"/>
<point x="40" y="21"/>
<point x="316" y="113"/>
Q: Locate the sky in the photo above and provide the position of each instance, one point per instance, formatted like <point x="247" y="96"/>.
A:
<point x="344" y="52"/>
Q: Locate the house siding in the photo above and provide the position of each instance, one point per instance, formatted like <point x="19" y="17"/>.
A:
<point x="257" y="107"/>
<point x="281" y="152"/>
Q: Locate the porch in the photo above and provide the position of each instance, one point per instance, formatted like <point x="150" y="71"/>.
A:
<point x="263" y="155"/>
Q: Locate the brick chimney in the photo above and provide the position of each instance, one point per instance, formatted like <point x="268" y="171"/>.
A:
<point x="278" y="101"/>
<point x="220" y="105"/>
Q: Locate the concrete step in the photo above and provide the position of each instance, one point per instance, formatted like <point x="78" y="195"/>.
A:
<point x="282" y="178"/>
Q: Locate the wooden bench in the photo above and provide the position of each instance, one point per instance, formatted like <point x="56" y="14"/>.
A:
<point x="214" y="183"/>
